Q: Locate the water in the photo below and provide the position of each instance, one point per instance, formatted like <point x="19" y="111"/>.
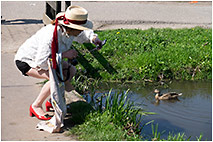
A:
<point x="191" y="114"/>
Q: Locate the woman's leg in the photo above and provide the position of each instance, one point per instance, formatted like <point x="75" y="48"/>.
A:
<point x="42" y="74"/>
<point x="45" y="91"/>
<point x="72" y="70"/>
<point x="68" y="85"/>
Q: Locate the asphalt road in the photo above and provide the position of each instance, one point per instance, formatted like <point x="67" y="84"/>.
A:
<point x="144" y="15"/>
<point x="107" y="15"/>
<point x="18" y="92"/>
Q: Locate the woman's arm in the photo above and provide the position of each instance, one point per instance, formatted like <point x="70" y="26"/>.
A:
<point x="88" y="36"/>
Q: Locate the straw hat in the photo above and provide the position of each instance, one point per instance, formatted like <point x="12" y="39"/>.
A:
<point x="75" y="17"/>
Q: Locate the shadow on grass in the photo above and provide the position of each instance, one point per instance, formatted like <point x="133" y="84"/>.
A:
<point x="76" y="113"/>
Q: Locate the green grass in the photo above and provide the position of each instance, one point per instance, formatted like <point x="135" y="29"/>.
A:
<point x="139" y="55"/>
<point x="156" y="136"/>
<point x="114" y="118"/>
<point x="98" y="127"/>
<point x="181" y="54"/>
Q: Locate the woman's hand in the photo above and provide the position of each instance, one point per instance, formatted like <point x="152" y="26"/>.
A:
<point x="96" y="40"/>
<point x="70" y="54"/>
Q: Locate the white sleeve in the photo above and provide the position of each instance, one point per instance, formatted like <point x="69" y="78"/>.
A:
<point x="85" y="36"/>
<point x="43" y="52"/>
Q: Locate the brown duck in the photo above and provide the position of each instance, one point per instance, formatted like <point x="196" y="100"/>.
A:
<point x="166" y="96"/>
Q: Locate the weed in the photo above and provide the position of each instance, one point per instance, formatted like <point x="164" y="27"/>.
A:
<point x="171" y="137"/>
<point x="115" y="118"/>
<point x="181" y="54"/>
<point x="83" y="84"/>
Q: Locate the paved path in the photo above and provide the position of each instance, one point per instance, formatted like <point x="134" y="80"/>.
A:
<point x="143" y="15"/>
<point x="18" y="92"/>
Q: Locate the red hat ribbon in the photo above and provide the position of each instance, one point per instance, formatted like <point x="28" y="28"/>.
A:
<point x="54" y="48"/>
<point x="68" y="21"/>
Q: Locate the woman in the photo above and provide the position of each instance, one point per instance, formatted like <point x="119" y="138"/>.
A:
<point x="31" y="58"/>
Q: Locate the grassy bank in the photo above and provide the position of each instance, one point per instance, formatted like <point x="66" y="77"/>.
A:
<point x="112" y="117"/>
<point x="140" y="55"/>
<point x="153" y="54"/>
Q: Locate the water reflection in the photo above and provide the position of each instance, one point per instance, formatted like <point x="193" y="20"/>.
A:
<point x="190" y="114"/>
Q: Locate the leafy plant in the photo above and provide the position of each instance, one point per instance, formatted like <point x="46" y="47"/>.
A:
<point x="155" y="133"/>
<point x="147" y="54"/>
<point x="115" y="118"/>
<point x="84" y="84"/>
<point x="171" y="137"/>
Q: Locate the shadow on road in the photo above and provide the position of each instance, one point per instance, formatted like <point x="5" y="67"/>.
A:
<point x="21" y="21"/>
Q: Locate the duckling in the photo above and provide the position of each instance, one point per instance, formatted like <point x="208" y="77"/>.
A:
<point x="166" y="96"/>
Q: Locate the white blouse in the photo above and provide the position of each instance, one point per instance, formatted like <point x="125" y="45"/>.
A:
<point x="36" y="50"/>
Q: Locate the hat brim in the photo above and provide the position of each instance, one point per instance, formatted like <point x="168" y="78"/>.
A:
<point x="88" y="25"/>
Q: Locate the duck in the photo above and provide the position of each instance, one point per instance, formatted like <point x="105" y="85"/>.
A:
<point x="166" y="96"/>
